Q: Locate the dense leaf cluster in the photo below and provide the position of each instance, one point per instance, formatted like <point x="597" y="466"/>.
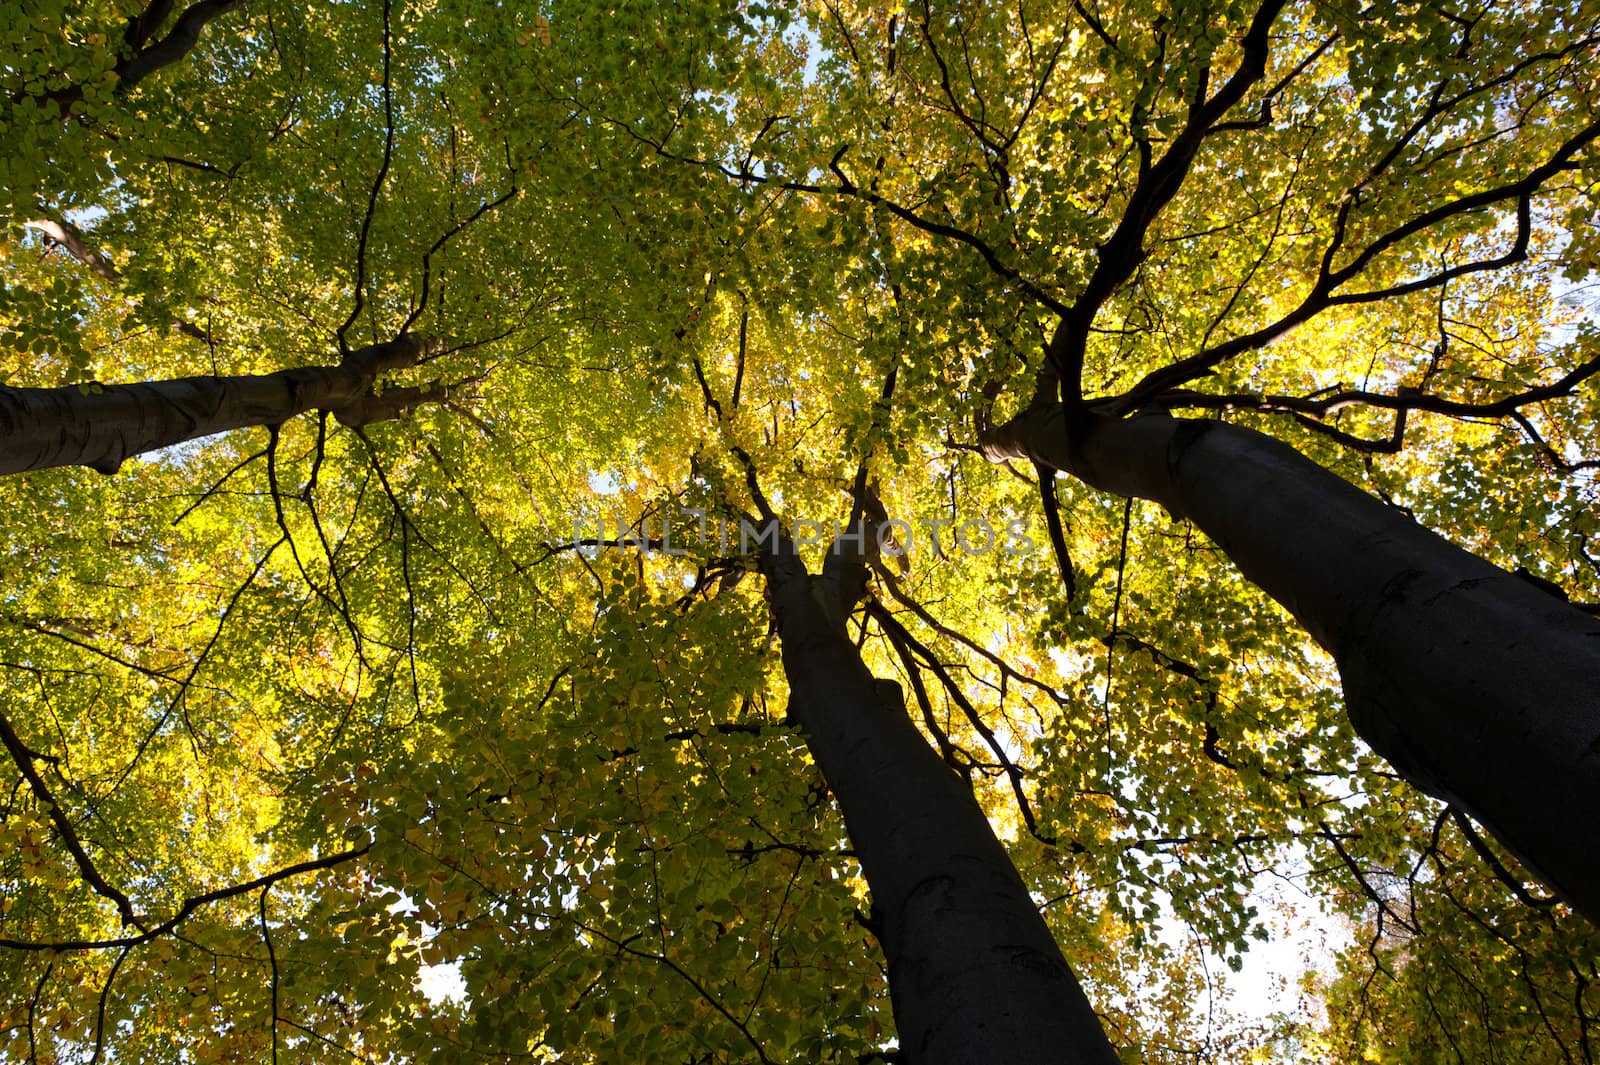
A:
<point x="309" y="720"/>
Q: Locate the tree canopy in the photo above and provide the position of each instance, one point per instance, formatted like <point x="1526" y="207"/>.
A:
<point x="396" y="396"/>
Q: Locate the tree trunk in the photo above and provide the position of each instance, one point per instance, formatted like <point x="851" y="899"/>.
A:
<point x="974" y="974"/>
<point x="102" y="425"/>
<point x="1477" y="686"/>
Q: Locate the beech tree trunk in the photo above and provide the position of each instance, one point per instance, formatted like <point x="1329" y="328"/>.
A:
<point x="974" y="974"/>
<point x="1478" y="686"/>
<point x="103" y="425"/>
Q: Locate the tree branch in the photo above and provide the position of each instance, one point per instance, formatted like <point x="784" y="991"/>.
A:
<point x="1158" y="183"/>
<point x="1324" y="294"/>
<point x="24" y="759"/>
<point x="187" y="908"/>
<point x="71" y="239"/>
<point x="175" y="45"/>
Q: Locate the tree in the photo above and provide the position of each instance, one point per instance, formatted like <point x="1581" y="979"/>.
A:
<point x="973" y="970"/>
<point x="1474" y="683"/>
<point x="100" y="427"/>
<point x="492" y="684"/>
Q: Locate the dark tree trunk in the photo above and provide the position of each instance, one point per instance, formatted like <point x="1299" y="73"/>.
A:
<point x="974" y="974"/>
<point x="1478" y="686"/>
<point x="103" y="425"/>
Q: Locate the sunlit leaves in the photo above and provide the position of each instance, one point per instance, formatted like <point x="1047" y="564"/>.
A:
<point x="653" y="236"/>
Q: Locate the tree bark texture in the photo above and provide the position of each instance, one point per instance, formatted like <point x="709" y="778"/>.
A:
<point x="975" y="976"/>
<point x="102" y="425"/>
<point x="1478" y="686"/>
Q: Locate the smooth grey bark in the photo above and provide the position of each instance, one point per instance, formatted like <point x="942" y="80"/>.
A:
<point x="101" y="426"/>
<point x="974" y="975"/>
<point x="1478" y="687"/>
